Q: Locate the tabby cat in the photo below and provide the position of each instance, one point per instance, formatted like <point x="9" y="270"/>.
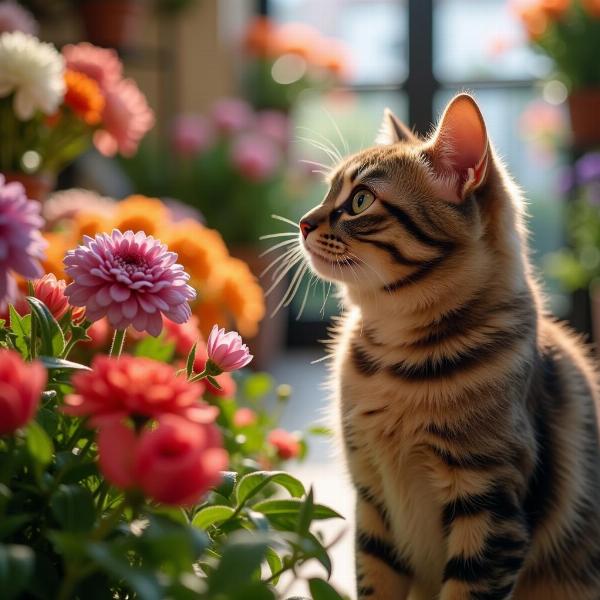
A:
<point x="468" y="414"/>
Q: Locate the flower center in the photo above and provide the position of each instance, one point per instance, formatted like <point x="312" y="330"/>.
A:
<point x="131" y="264"/>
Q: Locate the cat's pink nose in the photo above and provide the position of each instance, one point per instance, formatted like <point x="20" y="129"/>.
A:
<point x="306" y="226"/>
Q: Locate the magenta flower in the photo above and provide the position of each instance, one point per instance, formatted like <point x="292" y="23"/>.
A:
<point x="226" y="352"/>
<point x="191" y="135"/>
<point x="255" y="156"/>
<point x="132" y="279"/>
<point x="231" y="115"/>
<point x="21" y="243"/>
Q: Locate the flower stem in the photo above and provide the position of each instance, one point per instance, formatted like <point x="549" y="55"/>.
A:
<point x="117" y="343"/>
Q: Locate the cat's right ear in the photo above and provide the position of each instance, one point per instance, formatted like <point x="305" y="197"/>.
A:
<point x="393" y="130"/>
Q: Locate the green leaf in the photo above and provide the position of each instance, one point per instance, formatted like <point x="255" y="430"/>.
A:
<point x="10" y="524"/>
<point x="39" y="445"/>
<point x="73" y="507"/>
<point x="320" y="430"/>
<point x="275" y="563"/>
<point x="292" y="507"/>
<point x="321" y="590"/>
<point x="52" y="338"/>
<point x="253" y="591"/>
<point x="16" y="569"/>
<point x="48" y="419"/>
<point x="305" y="516"/>
<point x="211" y="515"/>
<point x="258" y="385"/>
<point x="228" y="482"/>
<point x="253" y="483"/>
<point x="21" y="328"/>
<point x="157" y="348"/>
<point x="315" y="549"/>
<point x="189" y="363"/>
<point x="50" y="362"/>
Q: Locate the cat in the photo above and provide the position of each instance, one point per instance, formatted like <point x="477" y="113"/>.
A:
<point x="467" y="412"/>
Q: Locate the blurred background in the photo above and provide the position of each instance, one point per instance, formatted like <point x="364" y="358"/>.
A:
<point x="252" y="99"/>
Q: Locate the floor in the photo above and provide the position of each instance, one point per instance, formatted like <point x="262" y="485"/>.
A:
<point x="322" y="468"/>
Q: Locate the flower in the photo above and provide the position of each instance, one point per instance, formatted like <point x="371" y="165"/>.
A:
<point x="244" y="417"/>
<point x="14" y="17"/>
<point x="100" y="64"/>
<point x="21" y="385"/>
<point x="534" y="18"/>
<point x="183" y="335"/>
<point x="140" y="213"/>
<point x="231" y="115"/>
<point x="255" y="156"/>
<point x="191" y="134"/>
<point x="587" y="168"/>
<point x="275" y="125"/>
<point x="285" y="443"/>
<point x="130" y="278"/>
<point x="51" y="292"/>
<point x="125" y="121"/>
<point x="99" y="332"/>
<point x="592" y="7"/>
<point x="175" y="463"/>
<point x="21" y="243"/>
<point x="226" y="352"/>
<point x="555" y="9"/>
<point x="260" y="36"/>
<point x="33" y="71"/>
<point x="135" y="387"/>
<point x="65" y="204"/>
<point x="83" y="97"/>
<point x="227" y="386"/>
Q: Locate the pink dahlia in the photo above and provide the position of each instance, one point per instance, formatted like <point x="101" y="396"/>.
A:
<point x="191" y="135"/>
<point x="135" y="387"/>
<point x="21" y="243"/>
<point x="255" y="156"/>
<point x="51" y="292"/>
<point x="21" y="385"/>
<point x="275" y="125"/>
<point x="13" y="17"/>
<point x="125" y="120"/>
<point x="226" y="351"/>
<point x="101" y="64"/>
<point x="130" y="278"/>
<point x="231" y="115"/>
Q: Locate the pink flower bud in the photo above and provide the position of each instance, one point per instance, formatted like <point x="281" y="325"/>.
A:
<point x="231" y="115"/>
<point x="21" y="385"/>
<point x="226" y="351"/>
<point x="255" y="156"/>
<point x="51" y="292"/>
<point x="286" y="443"/>
<point x="244" y="417"/>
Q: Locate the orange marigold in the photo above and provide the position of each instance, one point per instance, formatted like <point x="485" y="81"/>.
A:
<point x="90" y="224"/>
<point x="555" y="8"/>
<point x="535" y="19"/>
<point x="592" y="7"/>
<point x="84" y="97"/>
<point x="260" y="37"/>
<point x="210" y="313"/>
<point x="58" y="244"/>
<point x="140" y="213"/>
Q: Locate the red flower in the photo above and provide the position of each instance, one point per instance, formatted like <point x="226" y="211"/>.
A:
<point x="286" y="443"/>
<point x="135" y="387"/>
<point x="51" y="292"/>
<point x="174" y="463"/>
<point x="183" y="335"/>
<point x="21" y="385"/>
<point x="244" y="417"/>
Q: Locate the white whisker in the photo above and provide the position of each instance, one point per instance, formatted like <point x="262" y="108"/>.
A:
<point x="345" y="146"/>
<point x="283" y="273"/>
<point x="333" y="155"/>
<point x="287" y="254"/>
<point x="326" y="142"/>
<point x="292" y="258"/>
<point x="280" y="218"/>
<point x="276" y="246"/>
<point x="297" y="275"/>
<point x="298" y="283"/>
<point x="276" y="235"/>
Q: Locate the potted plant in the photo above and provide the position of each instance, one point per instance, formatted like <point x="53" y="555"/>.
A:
<point x="79" y="98"/>
<point x="568" y="31"/>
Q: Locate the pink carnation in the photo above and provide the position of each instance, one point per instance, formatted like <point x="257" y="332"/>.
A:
<point x="255" y="156"/>
<point x="226" y="351"/>
<point x="21" y="243"/>
<point x="191" y="135"/>
<point x="13" y="17"/>
<point x="175" y="463"/>
<point x="130" y="278"/>
<point x="125" y="120"/>
<point x="101" y="64"/>
<point x="231" y="115"/>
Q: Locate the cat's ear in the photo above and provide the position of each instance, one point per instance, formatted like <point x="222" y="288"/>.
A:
<point x="459" y="149"/>
<point x="393" y="130"/>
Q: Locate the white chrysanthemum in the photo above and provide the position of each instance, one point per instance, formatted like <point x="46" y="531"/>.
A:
<point x="34" y="71"/>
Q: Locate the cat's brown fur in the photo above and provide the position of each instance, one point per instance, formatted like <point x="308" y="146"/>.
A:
<point x="467" y="413"/>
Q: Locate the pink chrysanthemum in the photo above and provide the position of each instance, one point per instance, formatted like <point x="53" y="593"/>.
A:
<point x="14" y="17"/>
<point x="125" y="121"/>
<point x="101" y="64"/>
<point x="21" y="243"/>
<point x="130" y="278"/>
<point x="255" y="156"/>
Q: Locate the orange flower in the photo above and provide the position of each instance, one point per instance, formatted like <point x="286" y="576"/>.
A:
<point x="298" y="38"/>
<point x="592" y="7"/>
<point x="535" y="19"/>
<point x="140" y="213"/>
<point x="209" y="313"/>
<point x="83" y="97"/>
<point x="89" y="224"/>
<point x="260" y="37"/>
<point x="58" y="244"/>
<point x="332" y="56"/>
<point x="555" y="9"/>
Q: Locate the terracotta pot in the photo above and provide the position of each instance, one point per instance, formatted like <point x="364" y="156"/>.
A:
<point x="584" y="108"/>
<point x="272" y="332"/>
<point x="37" y="187"/>
<point x="112" y="23"/>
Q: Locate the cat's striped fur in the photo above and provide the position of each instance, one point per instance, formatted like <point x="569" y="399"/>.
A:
<point x="468" y="414"/>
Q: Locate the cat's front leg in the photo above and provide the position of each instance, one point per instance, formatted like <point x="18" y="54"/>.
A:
<point x="381" y="571"/>
<point x="487" y="543"/>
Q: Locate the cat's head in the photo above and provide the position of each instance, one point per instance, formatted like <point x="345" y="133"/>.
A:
<point x="414" y="210"/>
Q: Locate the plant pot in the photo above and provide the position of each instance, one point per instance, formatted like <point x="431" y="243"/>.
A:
<point x="111" y="23"/>
<point x="584" y="108"/>
<point x="272" y="332"/>
<point x="37" y="187"/>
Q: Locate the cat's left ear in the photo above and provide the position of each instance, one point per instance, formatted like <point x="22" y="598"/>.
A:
<point x="393" y="130"/>
<point x="459" y="149"/>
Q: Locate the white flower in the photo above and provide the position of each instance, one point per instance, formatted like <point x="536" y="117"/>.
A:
<point x="34" y="71"/>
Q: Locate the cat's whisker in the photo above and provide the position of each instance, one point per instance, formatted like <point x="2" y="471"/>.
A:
<point x="283" y="273"/>
<point x="297" y="284"/>
<point x="287" y="254"/>
<point x="292" y="258"/>
<point x="303" y="305"/>
<point x="285" y="220"/>
<point x="334" y="156"/>
<point x="277" y="246"/>
<point x="326" y="142"/>
<point x="276" y="235"/>
<point x="292" y="286"/>
<point x="313" y="162"/>
<point x="343" y="140"/>
<point x="325" y="300"/>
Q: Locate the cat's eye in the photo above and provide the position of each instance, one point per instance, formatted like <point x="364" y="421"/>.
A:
<point x="361" y="201"/>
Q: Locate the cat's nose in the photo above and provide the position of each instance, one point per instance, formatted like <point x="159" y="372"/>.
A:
<point x="306" y="226"/>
